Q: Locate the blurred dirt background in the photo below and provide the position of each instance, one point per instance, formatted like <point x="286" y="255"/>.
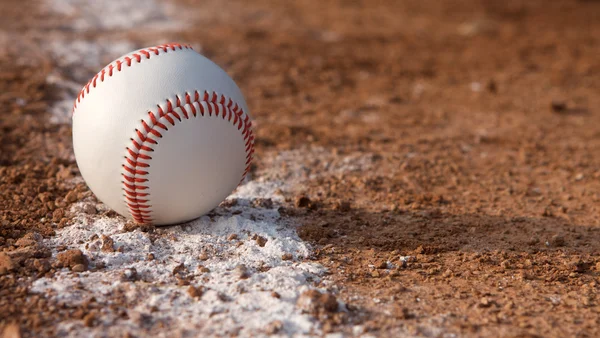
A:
<point x="474" y="210"/>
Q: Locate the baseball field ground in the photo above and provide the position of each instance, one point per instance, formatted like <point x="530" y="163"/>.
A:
<point x="422" y="168"/>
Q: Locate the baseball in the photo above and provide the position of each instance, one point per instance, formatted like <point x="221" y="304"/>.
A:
<point x="162" y="135"/>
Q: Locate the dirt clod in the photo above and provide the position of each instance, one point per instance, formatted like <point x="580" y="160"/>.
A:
<point x="71" y="258"/>
<point x="129" y="275"/>
<point x="108" y="244"/>
<point x="31" y="239"/>
<point x="203" y="256"/>
<point x="180" y="270"/>
<point x="6" y="263"/>
<point x="89" y="209"/>
<point x="260" y="240"/>
<point x="302" y="201"/>
<point x="90" y="319"/>
<point x="11" y="330"/>
<point x="195" y="292"/>
<point x="315" y="302"/>
<point x="71" y="197"/>
<point x="78" y="268"/>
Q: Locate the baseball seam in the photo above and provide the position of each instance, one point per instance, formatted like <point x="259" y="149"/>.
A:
<point x="126" y="61"/>
<point x="138" y="154"/>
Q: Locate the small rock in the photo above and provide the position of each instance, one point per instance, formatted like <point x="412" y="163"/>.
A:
<point x="382" y="265"/>
<point x="129" y="275"/>
<point x="78" y="268"/>
<point x="63" y="173"/>
<point x="581" y="266"/>
<point x="229" y="203"/>
<point x="6" y="264"/>
<point x="203" y="256"/>
<point x="71" y="258"/>
<point x="242" y="271"/>
<point x="41" y="265"/>
<point x="58" y="214"/>
<point x="302" y="201"/>
<point x="71" y="196"/>
<point x="132" y="226"/>
<point x="260" y="240"/>
<point x="89" y="319"/>
<point x="203" y="269"/>
<point x="150" y="256"/>
<point x="315" y="302"/>
<point x="195" y="292"/>
<point x="275" y="295"/>
<point x="11" y="330"/>
<point x="179" y="269"/>
<point x="108" y="244"/>
<point x="287" y="256"/>
<point x="89" y="209"/>
<point x="232" y="237"/>
<point x="30" y="239"/>
<point x="485" y="302"/>
<point x="375" y="274"/>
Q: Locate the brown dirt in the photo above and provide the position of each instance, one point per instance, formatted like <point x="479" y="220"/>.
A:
<point x="478" y="215"/>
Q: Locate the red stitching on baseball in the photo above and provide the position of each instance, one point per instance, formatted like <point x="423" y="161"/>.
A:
<point x="134" y="186"/>
<point x="126" y="60"/>
<point x="135" y="180"/>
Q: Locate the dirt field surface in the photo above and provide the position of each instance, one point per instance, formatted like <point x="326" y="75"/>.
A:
<point x="430" y="165"/>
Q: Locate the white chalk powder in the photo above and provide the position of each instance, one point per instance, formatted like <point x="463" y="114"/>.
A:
<point x="229" y="303"/>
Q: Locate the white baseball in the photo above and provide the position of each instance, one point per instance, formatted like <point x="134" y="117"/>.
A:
<point x="162" y="135"/>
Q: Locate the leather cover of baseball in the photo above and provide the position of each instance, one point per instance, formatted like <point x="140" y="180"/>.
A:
<point x="162" y="135"/>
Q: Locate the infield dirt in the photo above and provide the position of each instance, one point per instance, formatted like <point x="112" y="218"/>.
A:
<point x="440" y="157"/>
